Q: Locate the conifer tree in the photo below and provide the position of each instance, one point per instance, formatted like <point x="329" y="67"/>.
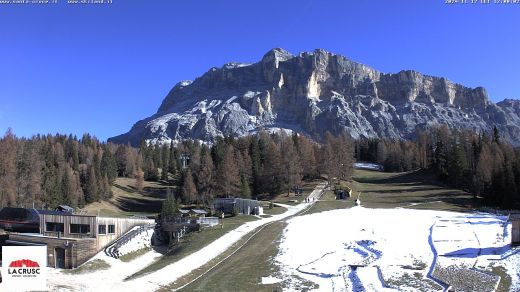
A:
<point x="35" y="176"/>
<point x="169" y="206"/>
<point x="92" y="190"/>
<point x="67" y="186"/>
<point x="139" y="180"/>
<point x="172" y="165"/>
<point x="496" y="135"/>
<point x="205" y="177"/>
<point x="245" y="190"/>
<point x="8" y="169"/>
<point x="271" y="179"/>
<point x="291" y="164"/>
<point x="256" y="164"/>
<point x="228" y="174"/>
<point x="188" y="191"/>
<point x="108" y="165"/>
<point x="165" y="152"/>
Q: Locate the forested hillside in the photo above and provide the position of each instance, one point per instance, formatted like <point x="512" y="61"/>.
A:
<point x="482" y="164"/>
<point x="45" y="171"/>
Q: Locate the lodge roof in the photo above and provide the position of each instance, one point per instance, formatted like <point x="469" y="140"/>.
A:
<point x="65" y="208"/>
<point x="61" y="213"/>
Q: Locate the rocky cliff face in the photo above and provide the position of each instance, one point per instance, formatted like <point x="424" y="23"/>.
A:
<point x="317" y="92"/>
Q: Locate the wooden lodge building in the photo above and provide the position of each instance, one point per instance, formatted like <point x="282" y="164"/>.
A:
<point x="71" y="239"/>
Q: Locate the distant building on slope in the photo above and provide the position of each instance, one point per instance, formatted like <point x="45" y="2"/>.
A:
<point x="236" y="206"/>
<point x="192" y="212"/>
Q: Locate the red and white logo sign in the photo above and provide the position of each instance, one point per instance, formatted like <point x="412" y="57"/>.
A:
<point x="24" y="268"/>
<point x="23" y="264"/>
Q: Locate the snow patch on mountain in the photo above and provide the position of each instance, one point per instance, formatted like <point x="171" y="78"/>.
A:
<point x="315" y="92"/>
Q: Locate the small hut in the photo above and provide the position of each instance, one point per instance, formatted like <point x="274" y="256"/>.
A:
<point x="65" y="208"/>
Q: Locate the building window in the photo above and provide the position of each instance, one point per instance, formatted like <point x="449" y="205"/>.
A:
<point x="80" y="228"/>
<point x="102" y="229"/>
<point x="54" y="227"/>
<point x="111" y="229"/>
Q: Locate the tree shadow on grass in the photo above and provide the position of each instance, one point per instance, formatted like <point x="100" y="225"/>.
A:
<point x="405" y="190"/>
<point x="455" y="198"/>
<point x="129" y="204"/>
<point x="154" y="192"/>
<point x="416" y="177"/>
<point x="473" y="252"/>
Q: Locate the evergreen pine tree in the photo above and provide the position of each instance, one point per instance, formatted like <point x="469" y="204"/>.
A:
<point x="205" y="177"/>
<point x="172" y="165"/>
<point x="92" y="191"/>
<point x="188" y="191"/>
<point x="165" y="152"/>
<point x="245" y="190"/>
<point x="8" y="181"/>
<point x="108" y="165"/>
<point x="169" y="206"/>
<point x="496" y="135"/>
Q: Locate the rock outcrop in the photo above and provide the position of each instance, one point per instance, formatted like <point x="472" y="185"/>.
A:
<point x="315" y="92"/>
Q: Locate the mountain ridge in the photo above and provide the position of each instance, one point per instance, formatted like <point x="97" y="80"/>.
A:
<point x="315" y="92"/>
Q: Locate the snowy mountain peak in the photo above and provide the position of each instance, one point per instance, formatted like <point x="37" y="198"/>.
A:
<point x="315" y="92"/>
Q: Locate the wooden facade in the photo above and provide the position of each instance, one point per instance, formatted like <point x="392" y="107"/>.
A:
<point x="515" y="230"/>
<point x="72" y="239"/>
<point x="66" y="222"/>
<point x="66" y="253"/>
<point x="121" y="226"/>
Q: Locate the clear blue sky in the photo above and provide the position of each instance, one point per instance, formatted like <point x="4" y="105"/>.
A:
<point x="98" y="69"/>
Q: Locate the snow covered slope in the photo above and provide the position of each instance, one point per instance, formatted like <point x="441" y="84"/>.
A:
<point x="362" y="249"/>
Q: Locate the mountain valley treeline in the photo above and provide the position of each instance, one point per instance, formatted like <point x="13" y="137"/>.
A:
<point x="481" y="164"/>
<point x="45" y="171"/>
